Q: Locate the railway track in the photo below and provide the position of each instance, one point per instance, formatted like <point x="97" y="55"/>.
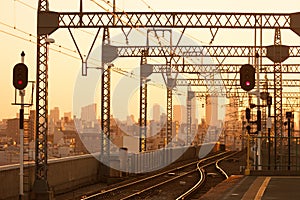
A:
<point x="203" y="176"/>
<point x="149" y="186"/>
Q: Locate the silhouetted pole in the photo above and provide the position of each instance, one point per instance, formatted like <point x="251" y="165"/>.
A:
<point x="269" y="102"/>
<point x="288" y="116"/>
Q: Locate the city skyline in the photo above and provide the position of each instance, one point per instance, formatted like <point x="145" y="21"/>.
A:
<point x="89" y="112"/>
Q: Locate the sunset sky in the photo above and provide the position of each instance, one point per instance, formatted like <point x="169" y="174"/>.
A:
<point x="18" y="30"/>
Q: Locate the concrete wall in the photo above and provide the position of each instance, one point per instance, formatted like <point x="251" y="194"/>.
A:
<point x="65" y="174"/>
<point x="9" y="182"/>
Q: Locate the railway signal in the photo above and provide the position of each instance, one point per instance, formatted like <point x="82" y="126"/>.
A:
<point x="20" y="76"/>
<point x="247" y="77"/>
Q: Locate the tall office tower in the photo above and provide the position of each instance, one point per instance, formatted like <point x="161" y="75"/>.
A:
<point x="54" y="115"/>
<point x="211" y="110"/>
<point x="130" y="120"/>
<point x="156" y="112"/>
<point x="89" y="113"/>
<point x="67" y="116"/>
<point x="194" y="111"/>
<point x="32" y="124"/>
<point x="179" y="114"/>
<point x="232" y="110"/>
<point x="163" y="118"/>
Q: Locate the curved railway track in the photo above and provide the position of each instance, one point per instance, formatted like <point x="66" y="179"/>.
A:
<point x="203" y="176"/>
<point x="146" y="186"/>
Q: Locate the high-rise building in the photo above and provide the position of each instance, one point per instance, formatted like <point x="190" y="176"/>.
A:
<point x="211" y="110"/>
<point x="194" y="111"/>
<point x="32" y="124"/>
<point x="156" y="112"/>
<point x="54" y="115"/>
<point x="130" y="120"/>
<point x="89" y="113"/>
<point x="163" y="118"/>
<point x="12" y="129"/>
<point x="67" y="116"/>
<point x="179" y="114"/>
<point x="54" y="119"/>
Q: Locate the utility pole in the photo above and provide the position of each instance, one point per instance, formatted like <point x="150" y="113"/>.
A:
<point x="289" y="116"/>
<point x="22" y="94"/>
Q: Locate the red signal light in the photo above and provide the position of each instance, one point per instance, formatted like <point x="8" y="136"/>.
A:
<point x="20" y="76"/>
<point x="247" y="77"/>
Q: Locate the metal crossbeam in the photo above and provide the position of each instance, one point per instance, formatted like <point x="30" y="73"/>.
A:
<point x="223" y="68"/>
<point x="198" y="51"/>
<point x="230" y="82"/>
<point x="238" y="94"/>
<point x="173" y="20"/>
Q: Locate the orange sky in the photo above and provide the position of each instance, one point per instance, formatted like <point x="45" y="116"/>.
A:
<point x="18" y="28"/>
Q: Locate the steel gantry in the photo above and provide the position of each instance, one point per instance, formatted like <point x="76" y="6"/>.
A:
<point x="40" y="187"/>
<point x="168" y="20"/>
<point x="105" y="102"/>
<point x="222" y="68"/>
<point x="277" y="99"/>
<point x="200" y="51"/>
<point x="143" y="101"/>
<point x="49" y="21"/>
<point x="230" y="82"/>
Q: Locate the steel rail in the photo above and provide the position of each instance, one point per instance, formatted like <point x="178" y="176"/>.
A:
<point x="172" y="179"/>
<point x="202" y="179"/>
<point x="97" y="195"/>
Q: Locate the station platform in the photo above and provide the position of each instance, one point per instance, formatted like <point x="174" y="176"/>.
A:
<point x="239" y="187"/>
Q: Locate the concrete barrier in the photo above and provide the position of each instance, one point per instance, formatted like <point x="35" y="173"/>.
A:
<point x="67" y="174"/>
<point x="64" y="174"/>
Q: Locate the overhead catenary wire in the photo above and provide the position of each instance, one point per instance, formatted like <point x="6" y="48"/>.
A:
<point x="56" y="45"/>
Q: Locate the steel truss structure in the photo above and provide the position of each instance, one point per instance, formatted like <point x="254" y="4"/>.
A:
<point x="291" y="98"/>
<point x="170" y="20"/>
<point x="199" y="51"/>
<point x="230" y="82"/>
<point x="278" y="122"/>
<point x="48" y="22"/>
<point x="41" y="152"/>
<point x="222" y="68"/>
<point x="105" y="104"/>
<point x="244" y="95"/>
<point x="143" y="105"/>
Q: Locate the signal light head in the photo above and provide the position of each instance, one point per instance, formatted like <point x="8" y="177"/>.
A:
<point x="20" y="76"/>
<point x="247" y="77"/>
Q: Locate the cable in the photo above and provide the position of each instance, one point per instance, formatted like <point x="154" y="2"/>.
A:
<point x="129" y="74"/>
<point x="25" y="4"/>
